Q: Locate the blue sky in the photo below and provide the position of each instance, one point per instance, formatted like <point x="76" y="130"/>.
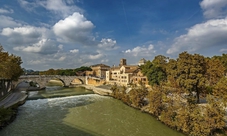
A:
<point x="73" y="33"/>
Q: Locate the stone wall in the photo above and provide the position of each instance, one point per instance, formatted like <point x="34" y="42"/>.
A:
<point x="95" y="81"/>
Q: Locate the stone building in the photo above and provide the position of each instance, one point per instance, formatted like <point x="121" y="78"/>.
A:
<point x="142" y="62"/>
<point x="122" y="62"/>
<point x="99" y="70"/>
<point x="112" y="74"/>
<point x="139" y="78"/>
<point x="125" y="74"/>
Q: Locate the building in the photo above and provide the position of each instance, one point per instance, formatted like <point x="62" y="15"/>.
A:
<point x="112" y="74"/>
<point x="122" y="62"/>
<point x="99" y="70"/>
<point x="125" y="74"/>
<point x="139" y="78"/>
<point x="142" y="62"/>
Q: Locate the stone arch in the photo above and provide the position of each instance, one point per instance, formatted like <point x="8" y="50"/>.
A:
<point x="56" y="78"/>
<point x="75" y="81"/>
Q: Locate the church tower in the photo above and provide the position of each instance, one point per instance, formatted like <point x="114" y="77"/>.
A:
<point x="122" y="62"/>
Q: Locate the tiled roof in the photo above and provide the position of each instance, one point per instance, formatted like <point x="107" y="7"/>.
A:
<point x="98" y="65"/>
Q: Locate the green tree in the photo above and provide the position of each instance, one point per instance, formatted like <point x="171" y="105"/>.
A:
<point x="215" y="71"/>
<point x="155" y="72"/>
<point x="83" y="68"/>
<point x="191" y="71"/>
<point x="220" y="91"/>
<point x="161" y="61"/>
<point x="156" y="75"/>
<point x="137" y="96"/>
<point x="155" y="97"/>
<point x="146" y="67"/>
<point x="214" y="114"/>
<point x="223" y="60"/>
<point x="10" y="65"/>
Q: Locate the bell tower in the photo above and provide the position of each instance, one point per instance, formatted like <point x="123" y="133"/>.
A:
<point x="122" y="62"/>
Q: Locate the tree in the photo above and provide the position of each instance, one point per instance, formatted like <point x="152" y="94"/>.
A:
<point x="156" y="75"/>
<point x="160" y="61"/>
<point x="155" y="97"/>
<point x="137" y="96"/>
<point x="146" y="67"/>
<point x="220" y="91"/>
<point x="83" y="68"/>
<point x="155" y="72"/>
<point x="191" y="71"/>
<point x="10" y="65"/>
<point x="215" y="71"/>
<point x="223" y="60"/>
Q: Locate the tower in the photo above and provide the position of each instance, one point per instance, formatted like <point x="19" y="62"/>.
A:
<point x="122" y="62"/>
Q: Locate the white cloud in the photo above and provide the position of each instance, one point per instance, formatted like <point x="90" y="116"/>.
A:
<point x="44" y="46"/>
<point x="223" y="50"/>
<point x="6" y="21"/>
<point x="74" y="51"/>
<point x="5" y="11"/>
<point x="214" y="8"/>
<point x="75" y="28"/>
<point x="201" y="36"/>
<point x="59" y="7"/>
<point x="29" y="6"/>
<point x="62" y="58"/>
<point x="104" y="61"/>
<point x="95" y="56"/>
<point x="107" y="44"/>
<point x="24" y="35"/>
<point x="63" y="7"/>
<point x="35" y="62"/>
<point x="60" y="47"/>
<point x="141" y="51"/>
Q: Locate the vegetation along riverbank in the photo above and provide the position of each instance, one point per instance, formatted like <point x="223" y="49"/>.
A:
<point x="188" y="94"/>
<point x="10" y="69"/>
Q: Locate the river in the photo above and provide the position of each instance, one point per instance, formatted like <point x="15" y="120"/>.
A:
<point x="77" y="112"/>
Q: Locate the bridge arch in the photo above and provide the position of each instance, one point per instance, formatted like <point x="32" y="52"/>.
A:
<point x="42" y="80"/>
<point x="57" y="79"/>
<point x="77" y="81"/>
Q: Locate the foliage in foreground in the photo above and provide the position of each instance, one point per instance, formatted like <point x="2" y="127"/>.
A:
<point x="177" y="86"/>
<point x="9" y="65"/>
<point x="5" y="114"/>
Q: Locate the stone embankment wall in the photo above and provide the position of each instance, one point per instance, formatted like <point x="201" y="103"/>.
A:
<point x="5" y="87"/>
<point x="97" y="90"/>
<point x="95" y="81"/>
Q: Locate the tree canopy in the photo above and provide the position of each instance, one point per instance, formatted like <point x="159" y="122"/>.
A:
<point x="67" y="72"/>
<point x="9" y="65"/>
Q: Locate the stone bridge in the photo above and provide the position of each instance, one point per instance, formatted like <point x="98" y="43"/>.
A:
<point x="42" y="80"/>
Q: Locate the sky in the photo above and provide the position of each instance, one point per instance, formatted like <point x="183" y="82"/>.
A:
<point x="72" y="33"/>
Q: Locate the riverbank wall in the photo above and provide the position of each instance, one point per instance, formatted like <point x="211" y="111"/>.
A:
<point x="9" y="107"/>
<point x="98" y="90"/>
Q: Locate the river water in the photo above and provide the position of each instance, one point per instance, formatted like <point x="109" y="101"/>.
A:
<point x="78" y="112"/>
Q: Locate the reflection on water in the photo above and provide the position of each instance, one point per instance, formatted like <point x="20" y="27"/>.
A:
<point x="82" y="115"/>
